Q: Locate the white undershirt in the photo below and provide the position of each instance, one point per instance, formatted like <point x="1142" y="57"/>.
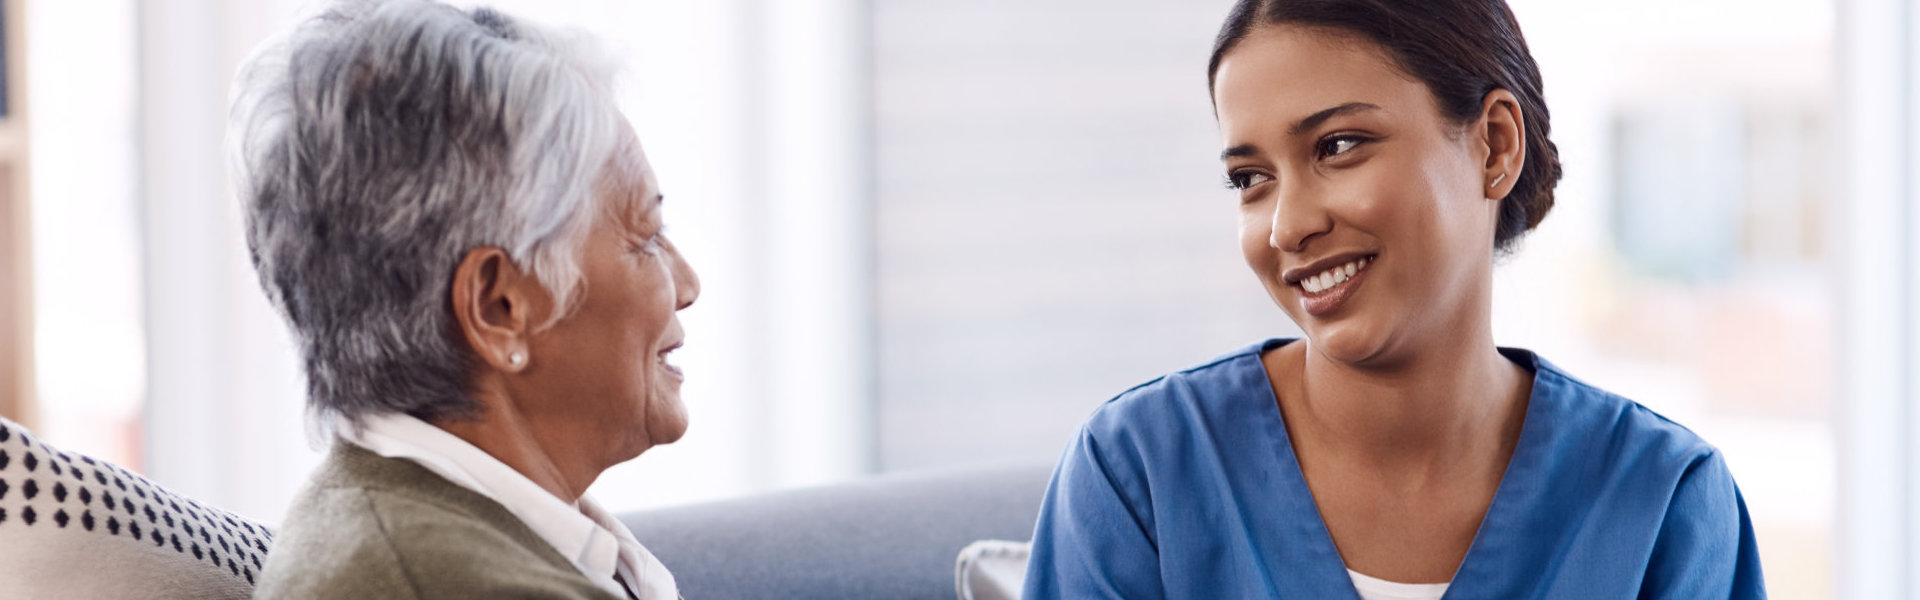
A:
<point x="1381" y="589"/>
<point x="583" y="532"/>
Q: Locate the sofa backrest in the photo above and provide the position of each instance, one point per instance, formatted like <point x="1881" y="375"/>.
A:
<point x="894" y="537"/>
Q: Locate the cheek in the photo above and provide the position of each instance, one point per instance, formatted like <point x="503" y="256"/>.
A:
<point x="649" y="319"/>
<point x="660" y="302"/>
<point x="1380" y="201"/>
<point x="1402" y="211"/>
<point x="1256" y="235"/>
<point x="1456" y="206"/>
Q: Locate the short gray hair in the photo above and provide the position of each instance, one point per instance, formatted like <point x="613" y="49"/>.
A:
<point x="375" y="145"/>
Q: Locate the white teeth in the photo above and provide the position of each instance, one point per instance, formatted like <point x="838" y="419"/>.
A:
<point x="1332" y="277"/>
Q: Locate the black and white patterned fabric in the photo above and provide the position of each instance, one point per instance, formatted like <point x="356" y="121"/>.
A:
<point x="75" y="527"/>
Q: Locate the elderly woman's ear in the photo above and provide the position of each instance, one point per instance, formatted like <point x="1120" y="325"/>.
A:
<point x="497" y="305"/>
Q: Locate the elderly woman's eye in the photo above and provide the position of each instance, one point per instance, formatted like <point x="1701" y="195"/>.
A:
<point x="646" y="245"/>
<point x="647" y="240"/>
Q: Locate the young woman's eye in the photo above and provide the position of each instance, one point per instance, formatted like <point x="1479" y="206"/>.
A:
<point x="1241" y="180"/>
<point x="1338" y="145"/>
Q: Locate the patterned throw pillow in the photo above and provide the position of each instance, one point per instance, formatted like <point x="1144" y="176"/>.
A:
<point x="75" y="527"/>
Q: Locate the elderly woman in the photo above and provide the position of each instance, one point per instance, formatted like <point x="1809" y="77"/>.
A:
<point x="466" y="239"/>
<point x="1384" y="151"/>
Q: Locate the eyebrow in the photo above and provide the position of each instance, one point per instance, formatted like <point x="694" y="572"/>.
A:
<point x="636" y="214"/>
<point x="1314" y="120"/>
<point x="1303" y="126"/>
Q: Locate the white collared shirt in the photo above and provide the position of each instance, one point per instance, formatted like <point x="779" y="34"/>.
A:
<point x="583" y="532"/>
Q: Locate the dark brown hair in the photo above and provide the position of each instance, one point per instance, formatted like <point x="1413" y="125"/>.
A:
<point x="1461" y="50"/>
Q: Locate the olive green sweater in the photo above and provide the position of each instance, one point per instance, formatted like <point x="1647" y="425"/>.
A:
<point x="368" y="526"/>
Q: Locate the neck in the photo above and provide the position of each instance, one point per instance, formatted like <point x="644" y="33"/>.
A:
<point x="1447" y="409"/>
<point x="503" y="432"/>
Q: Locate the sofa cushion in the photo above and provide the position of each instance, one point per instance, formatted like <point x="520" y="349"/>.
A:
<point x="75" y="527"/>
<point x="893" y="537"/>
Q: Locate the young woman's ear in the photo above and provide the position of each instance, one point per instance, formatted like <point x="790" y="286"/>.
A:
<point x="1502" y="132"/>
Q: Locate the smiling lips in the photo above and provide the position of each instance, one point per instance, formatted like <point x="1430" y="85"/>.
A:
<point x="1325" y="280"/>
<point x="1325" y="291"/>
<point x="662" y="357"/>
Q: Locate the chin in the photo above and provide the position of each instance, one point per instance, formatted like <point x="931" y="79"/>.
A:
<point x="1351" y="344"/>
<point x="670" y="435"/>
<point x="667" y="426"/>
<point x="649" y="437"/>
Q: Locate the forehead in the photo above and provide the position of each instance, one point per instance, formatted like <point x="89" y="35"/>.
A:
<point x="630" y="189"/>
<point x="1285" y="73"/>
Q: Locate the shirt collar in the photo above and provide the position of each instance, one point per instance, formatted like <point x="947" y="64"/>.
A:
<point x="583" y="532"/>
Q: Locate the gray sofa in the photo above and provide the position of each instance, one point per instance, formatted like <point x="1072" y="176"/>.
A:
<point x="891" y="537"/>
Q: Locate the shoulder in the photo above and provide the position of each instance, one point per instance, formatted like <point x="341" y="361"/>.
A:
<point x="332" y="546"/>
<point x="1167" y="428"/>
<point x="348" y="541"/>
<point x="1185" y="397"/>
<point x="1624" y="435"/>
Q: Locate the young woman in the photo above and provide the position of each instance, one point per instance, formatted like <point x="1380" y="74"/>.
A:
<point x="1385" y="151"/>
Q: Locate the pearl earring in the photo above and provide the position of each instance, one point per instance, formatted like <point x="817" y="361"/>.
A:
<point x="516" y="358"/>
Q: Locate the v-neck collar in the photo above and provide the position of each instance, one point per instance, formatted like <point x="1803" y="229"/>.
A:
<point x="1317" y="563"/>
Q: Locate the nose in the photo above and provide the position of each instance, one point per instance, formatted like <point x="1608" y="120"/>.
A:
<point x="1299" y="215"/>
<point x="686" y="284"/>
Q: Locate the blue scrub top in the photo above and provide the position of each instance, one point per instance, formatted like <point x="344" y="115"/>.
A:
<point x="1187" y="487"/>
